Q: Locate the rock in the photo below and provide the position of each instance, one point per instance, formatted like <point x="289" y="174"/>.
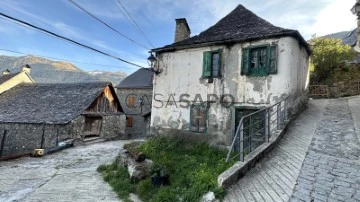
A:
<point x="135" y="198"/>
<point x="122" y="158"/>
<point x="209" y="197"/>
<point x="139" y="170"/>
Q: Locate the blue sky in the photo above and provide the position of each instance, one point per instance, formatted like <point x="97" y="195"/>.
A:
<point x="155" y="18"/>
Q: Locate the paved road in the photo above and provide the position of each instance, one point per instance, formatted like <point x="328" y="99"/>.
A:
<point x="317" y="159"/>
<point x="69" y="175"/>
<point x="331" y="170"/>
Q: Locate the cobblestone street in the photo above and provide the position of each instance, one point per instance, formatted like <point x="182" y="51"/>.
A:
<point x="68" y="175"/>
<point x="331" y="169"/>
<point x="316" y="160"/>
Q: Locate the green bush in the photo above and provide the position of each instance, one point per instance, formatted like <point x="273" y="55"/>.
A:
<point x="193" y="168"/>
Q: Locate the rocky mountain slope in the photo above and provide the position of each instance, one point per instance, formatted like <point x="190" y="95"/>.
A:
<point x="49" y="71"/>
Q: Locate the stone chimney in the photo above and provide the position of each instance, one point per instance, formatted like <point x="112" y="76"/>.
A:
<point x="182" y="30"/>
<point x="26" y="68"/>
<point x="7" y="71"/>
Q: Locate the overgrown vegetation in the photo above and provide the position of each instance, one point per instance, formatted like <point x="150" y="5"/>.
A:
<point x="328" y="54"/>
<point x="193" y="169"/>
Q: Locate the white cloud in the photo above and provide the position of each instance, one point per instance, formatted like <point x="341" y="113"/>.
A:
<point x="334" y="18"/>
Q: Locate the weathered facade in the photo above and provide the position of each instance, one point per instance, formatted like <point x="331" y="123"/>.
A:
<point x="46" y="115"/>
<point x="242" y="63"/>
<point x="135" y="95"/>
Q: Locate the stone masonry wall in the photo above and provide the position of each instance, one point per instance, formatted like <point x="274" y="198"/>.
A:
<point x="140" y="124"/>
<point x="113" y="126"/>
<point x="23" y="138"/>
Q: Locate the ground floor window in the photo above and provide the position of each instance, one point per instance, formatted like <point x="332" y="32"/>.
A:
<point x="129" y="121"/>
<point x="198" y="118"/>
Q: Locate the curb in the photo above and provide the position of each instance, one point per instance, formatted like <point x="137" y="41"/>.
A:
<point x="238" y="170"/>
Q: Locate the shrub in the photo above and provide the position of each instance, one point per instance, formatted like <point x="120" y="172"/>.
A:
<point x="193" y="168"/>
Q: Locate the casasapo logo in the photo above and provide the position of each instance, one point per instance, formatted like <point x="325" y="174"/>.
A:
<point x="181" y="101"/>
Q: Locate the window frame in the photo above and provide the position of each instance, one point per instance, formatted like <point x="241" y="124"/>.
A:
<point x="219" y="51"/>
<point x="131" y="99"/>
<point x="200" y="106"/>
<point x="271" y="58"/>
<point x="129" y="121"/>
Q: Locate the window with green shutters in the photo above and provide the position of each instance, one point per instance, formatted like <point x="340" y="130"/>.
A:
<point x="212" y="64"/>
<point x="198" y="118"/>
<point x="259" y="60"/>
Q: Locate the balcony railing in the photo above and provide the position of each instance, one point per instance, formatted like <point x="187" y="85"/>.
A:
<point x="256" y="128"/>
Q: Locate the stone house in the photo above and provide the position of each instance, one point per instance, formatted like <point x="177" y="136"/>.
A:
<point x="237" y="66"/>
<point x="9" y="80"/>
<point x="34" y="116"/>
<point x="135" y="94"/>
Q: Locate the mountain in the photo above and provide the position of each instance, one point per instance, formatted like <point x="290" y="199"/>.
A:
<point x="347" y="37"/>
<point x="114" y="77"/>
<point x="49" y="71"/>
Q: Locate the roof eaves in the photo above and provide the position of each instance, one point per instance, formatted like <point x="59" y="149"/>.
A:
<point x="134" y="87"/>
<point x="292" y="33"/>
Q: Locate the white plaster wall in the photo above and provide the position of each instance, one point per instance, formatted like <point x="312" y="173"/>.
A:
<point x="182" y="72"/>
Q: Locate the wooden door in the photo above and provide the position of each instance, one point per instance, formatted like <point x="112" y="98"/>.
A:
<point x="92" y="126"/>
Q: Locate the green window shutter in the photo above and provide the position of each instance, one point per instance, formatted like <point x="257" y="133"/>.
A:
<point x="207" y="64"/>
<point x="245" y="61"/>
<point x="219" y="62"/>
<point x="273" y="63"/>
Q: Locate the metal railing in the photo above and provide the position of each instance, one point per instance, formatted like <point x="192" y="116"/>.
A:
<point x="256" y="128"/>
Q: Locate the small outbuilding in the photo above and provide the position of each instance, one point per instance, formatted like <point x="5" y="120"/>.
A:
<point x="135" y="94"/>
<point x="47" y="116"/>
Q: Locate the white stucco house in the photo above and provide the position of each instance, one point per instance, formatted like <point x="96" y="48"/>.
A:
<point x="241" y="64"/>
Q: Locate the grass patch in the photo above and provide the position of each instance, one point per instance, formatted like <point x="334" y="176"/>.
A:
<point x="119" y="180"/>
<point x="193" y="169"/>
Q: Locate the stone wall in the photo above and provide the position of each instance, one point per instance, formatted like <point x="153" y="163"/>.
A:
<point x="113" y="126"/>
<point x="22" y="139"/>
<point x="343" y="89"/>
<point x="140" y="126"/>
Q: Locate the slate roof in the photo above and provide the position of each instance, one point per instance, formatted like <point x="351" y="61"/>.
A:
<point x="47" y="103"/>
<point x="238" y="26"/>
<point x="347" y="37"/>
<point x="7" y="77"/>
<point x="142" y="78"/>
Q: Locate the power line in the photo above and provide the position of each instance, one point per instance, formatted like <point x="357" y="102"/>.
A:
<point x="107" y="25"/>
<point x="65" y="60"/>
<point x="67" y="39"/>
<point x="135" y="24"/>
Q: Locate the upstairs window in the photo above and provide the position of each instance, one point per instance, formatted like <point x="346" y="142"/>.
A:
<point x="212" y="64"/>
<point x="259" y="61"/>
<point x="131" y="101"/>
<point x="198" y="118"/>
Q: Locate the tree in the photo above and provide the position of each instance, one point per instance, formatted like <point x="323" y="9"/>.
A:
<point x="328" y="53"/>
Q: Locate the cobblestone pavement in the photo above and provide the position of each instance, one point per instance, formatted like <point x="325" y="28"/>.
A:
<point x="69" y="175"/>
<point x="331" y="169"/>
<point x="275" y="176"/>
